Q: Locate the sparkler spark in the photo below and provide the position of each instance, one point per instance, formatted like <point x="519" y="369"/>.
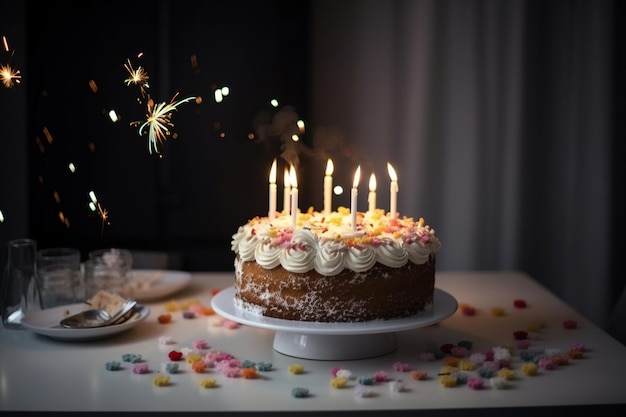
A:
<point x="159" y="121"/>
<point x="137" y="76"/>
<point x="95" y="205"/>
<point x="9" y="76"/>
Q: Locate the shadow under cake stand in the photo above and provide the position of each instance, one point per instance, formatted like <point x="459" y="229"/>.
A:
<point x="335" y="341"/>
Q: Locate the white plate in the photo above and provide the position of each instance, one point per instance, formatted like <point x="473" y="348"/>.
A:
<point x="167" y="282"/>
<point x="46" y="322"/>
<point x="444" y="305"/>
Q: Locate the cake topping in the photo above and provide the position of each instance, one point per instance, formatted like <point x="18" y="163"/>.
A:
<point x="328" y="244"/>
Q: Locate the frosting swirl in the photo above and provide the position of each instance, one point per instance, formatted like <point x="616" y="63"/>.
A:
<point x="329" y="244"/>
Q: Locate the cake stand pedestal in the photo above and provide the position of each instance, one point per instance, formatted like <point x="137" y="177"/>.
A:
<point x="335" y="341"/>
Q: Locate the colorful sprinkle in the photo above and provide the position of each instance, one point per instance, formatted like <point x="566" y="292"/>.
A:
<point x="112" y="366"/>
<point x="570" y="324"/>
<point x="401" y="367"/>
<point x="497" y="311"/>
<point x="189" y="314"/>
<point x="447" y="381"/>
<point x="175" y="355"/>
<point x="338" y="382"/>
<point x="529" y="369"/>
<point x="344" y="373"/>
<point x="164" y="318"/>
<point x="208" y="383"/>
<point x="519" y="303"/>
<point x="295" y="369"/>
<point x="161" y="380"/>
<point x="468" y="310"/>
<point x="499" y="383"/>
<point x="475" y="382"/>
<point x="169" y="367"/>
<point x="140" y="368"/>
<point x="299" y="392"/>
<point x="263" y="367"/>
<point x="381" y="376"/>
<point x="419" y="375"/>
<point x="198" y="366"/>
<point x="249" y="373"/>
<point x="193" y="357"/>
<point x="520" y="335"/>
<point x="366" y="380"/>
<point x="200" y="344"/>
<point x="131" y="357"/>
<point x="166" y="340"/>
<point x="506" y="373"/>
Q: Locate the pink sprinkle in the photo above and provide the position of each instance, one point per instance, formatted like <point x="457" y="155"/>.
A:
<point x="229" y="324"/>
<point x="475" y="382"/>
<point x="381" y="376"/>
<point x="334" y="371"/>
<point x="427" y="356"/>
<point x="200" y="344"/>
<point x="523" y="344"/>
<point x="459" y="351"/>
<point x="570" y="324"/>
<point x="401" y="367"/>
<point x="140" y="368"/>
<point x="578" y="346"/>
<point x="546" y="363"/>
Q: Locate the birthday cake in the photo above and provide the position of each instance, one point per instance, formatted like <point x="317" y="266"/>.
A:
<point x="326" y="270"/>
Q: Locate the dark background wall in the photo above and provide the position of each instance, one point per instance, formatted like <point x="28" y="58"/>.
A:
<point x="212" y="173"/>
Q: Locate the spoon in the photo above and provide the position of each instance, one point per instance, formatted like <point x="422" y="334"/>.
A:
<point x="96" y="317"/>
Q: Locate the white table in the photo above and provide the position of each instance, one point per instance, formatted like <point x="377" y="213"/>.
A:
<point x="41" y="374"/>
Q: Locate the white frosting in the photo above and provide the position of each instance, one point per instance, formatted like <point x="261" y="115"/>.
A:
<point x="328" y="243"/>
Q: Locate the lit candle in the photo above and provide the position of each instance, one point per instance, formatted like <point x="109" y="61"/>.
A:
<point x="371" y="198"/>
<point x="328" y="186"/>
<point x="272" y="211"/>
<point x="294" y="197"/>
<point x="287" y="193"/>
<point x="354" y="194"/>
<point x="393" y="190"/>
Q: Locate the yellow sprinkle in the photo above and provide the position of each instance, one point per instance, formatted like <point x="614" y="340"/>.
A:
<point x="171" y="306"/>
<point x="466" y="365"/>
<point x="506" y="373"/>
<point x="295" y="369"/>
<point x="497" y="311"/>
<point x="208" y="383"/>
<point x="338" y="382"/>
<point x="193" y="357"/>
<point x="161" y="380"/>
<point x="529" y="369"/>
<point x="448" y="381"/>
<point x="448" y="369"/>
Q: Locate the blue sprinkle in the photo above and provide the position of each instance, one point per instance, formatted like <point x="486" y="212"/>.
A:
<point x="131" y="357"/>
<point x="112" y="365"/>
<point x="263" y="366"/>
<point x="526" y="355"/>
<point x="366" y="380"/>
<point x="461" y="377"/>
<point x="486" y="373"/>
<point x="171" y="367"/>
<point x="300" y="392"/>
<point x="247" y="364"/>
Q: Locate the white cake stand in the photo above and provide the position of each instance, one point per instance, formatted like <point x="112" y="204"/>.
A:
<point x="335" y="341"/>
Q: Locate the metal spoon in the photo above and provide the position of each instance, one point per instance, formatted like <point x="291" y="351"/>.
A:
<point x="96" y="317"/>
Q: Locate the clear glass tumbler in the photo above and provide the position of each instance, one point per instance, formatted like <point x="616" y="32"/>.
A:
<point x="19" y="292"/>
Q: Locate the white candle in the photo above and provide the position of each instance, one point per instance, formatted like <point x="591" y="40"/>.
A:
<point x="287" y="193"/>
<point x="272" y="210"/>
<point x="294" y="197"/>
<point x="371" y="198"/>
<point x="328" y="186"/>
<point x="393" y="190"/>
<point x="354" y="195"/>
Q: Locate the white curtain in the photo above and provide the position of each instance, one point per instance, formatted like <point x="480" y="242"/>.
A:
<point x="496" y="116"/>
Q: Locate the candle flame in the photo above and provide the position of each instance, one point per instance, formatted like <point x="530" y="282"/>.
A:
<point x="392" y="172"/>
<point x="273" y="173"/>
<point x="287" y="180"/>
<point x="372" y="182"/>
<point x="357" y="177"/>
<point x="329" y="167"/>
<point x="293" y="180"/>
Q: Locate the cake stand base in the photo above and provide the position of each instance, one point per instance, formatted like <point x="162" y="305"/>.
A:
<point x="334" y="347"/>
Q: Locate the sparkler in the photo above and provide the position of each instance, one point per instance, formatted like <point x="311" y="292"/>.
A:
<point x="159" y="121"/>
<point x="9" y="76"/>
<point x="95" y="205"/>
<point x="137" y="76"/>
